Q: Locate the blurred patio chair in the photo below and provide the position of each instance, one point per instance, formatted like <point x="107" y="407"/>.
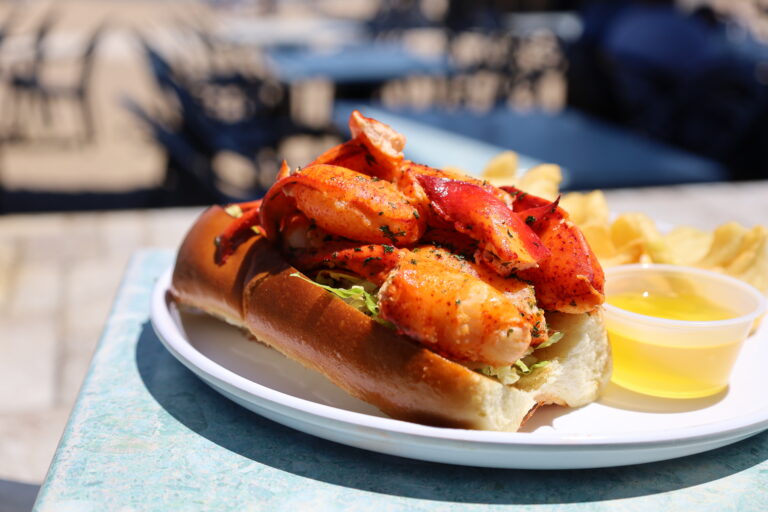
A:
<point x="245" y="137"/>
<point x="260" y="96"/>
<point x="189" y="177"/>
<point x="201" y="129"/>
<point x="262" y="124"/>
<point x="79" y="92"/>
<point x="24" y="83"/>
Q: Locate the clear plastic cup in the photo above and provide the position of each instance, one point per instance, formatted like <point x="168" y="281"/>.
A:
<point x="677" y="358"/>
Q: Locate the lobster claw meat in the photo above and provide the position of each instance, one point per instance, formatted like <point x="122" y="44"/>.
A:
<point x="344" y="202"/>
<point x="374" y="150"/>
<point x="418" y="170"/>
<point x="571" y="280"/>
<point x="276" y="207"/>
<point x="353" y="154"/>
<point x="540" y="215"/>
<point x="385" y="144"/>
<point x="507" y="244"/>
<point x="251" y="217"/>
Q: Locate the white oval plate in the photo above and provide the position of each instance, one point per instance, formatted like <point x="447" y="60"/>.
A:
<point x="621" y="428"/>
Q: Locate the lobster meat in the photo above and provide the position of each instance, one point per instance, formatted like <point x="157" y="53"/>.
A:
<point x="461" y="266"/>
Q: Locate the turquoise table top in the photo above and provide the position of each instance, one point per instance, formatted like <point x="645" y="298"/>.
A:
<point x="146" y="434"/>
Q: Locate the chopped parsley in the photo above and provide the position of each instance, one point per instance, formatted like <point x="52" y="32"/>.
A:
<point x="384" y="228"/>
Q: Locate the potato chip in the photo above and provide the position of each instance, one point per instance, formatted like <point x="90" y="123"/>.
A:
<point x="752" y="265"/>
<point x="726" y="245"/>
<point x="502" y="170"/>
<point x="599" y="237"/>
<point x="686" y="245"/>
<point x="542" y="180"/>
<point x="740" y="252"/>
<point x="630" y="229"/>
<point x="589" y="208"/>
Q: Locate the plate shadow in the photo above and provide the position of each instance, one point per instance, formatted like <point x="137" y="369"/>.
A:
<point x="191" y="402"/>
<point x="623" y="398"/>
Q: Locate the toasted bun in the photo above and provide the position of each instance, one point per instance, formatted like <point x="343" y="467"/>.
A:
<point x="254" y="290"/>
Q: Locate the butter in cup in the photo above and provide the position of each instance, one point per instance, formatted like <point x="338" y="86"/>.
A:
<point x="677" y="358"/>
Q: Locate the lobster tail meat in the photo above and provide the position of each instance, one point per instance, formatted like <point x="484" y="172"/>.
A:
<point x="343" y="202"/>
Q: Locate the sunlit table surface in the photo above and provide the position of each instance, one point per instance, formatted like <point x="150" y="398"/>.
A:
<point x="146" y="434"/>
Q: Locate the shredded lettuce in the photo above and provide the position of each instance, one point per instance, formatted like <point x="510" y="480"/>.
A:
<point x="353" y="290"/>
<point x="507" y="375"/>
<point x="525" y="369"/>
<point x="510" y="374"/>
<point x="520" y="365"/>
<point x="553" y="338"/>
<point x="336" y="279"/>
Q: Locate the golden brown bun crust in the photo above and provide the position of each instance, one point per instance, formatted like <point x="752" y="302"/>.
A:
<point x="255" y="290"/>
<point x="198" y="281"/>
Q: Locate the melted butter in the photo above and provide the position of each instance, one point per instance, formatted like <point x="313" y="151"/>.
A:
<point x="683" y="306"/>
<point x="666" y="368"/>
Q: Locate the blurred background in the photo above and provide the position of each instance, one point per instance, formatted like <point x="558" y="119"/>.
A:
<point x="149" y="104"/>
<point x="129" y="114"/>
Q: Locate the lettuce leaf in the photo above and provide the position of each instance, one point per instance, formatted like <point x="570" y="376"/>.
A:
<point x="507" y="375"/>
<point x="510" y="374"/>
<point x="525" y="369"/>
<point x="356" y="292"/>
<point x="553" y="338"/>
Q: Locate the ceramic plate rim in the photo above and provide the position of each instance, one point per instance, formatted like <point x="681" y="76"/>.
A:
<point x="167" y="331"/>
